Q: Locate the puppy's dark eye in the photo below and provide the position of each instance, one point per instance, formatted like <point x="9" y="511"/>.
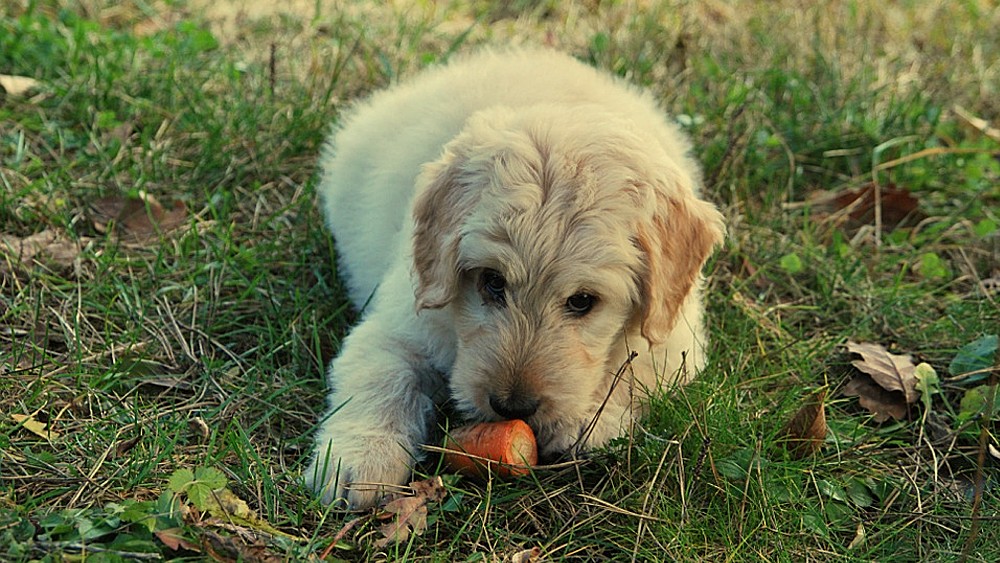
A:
<point x="493" y="285"/>
<point x="580" y="304"/>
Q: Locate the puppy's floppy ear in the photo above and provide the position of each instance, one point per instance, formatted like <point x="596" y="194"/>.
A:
<point x="676" y="244"/>
<point x="442" y="204"/>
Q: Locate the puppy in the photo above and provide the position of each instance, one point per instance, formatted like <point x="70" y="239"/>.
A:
<point x="514" y="226"/>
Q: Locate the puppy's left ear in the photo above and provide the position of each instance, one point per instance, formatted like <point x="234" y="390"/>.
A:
<point x="677" y="243"/>
<point x="443" y="202"/>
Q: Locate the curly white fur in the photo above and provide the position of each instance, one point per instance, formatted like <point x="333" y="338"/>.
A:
<point x="514" y="224"/>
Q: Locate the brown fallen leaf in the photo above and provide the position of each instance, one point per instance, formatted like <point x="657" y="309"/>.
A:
<point x="892" y="372"/>
<point x="888" y="383"/>
<point x="409" y="513"/>
<point x="139" y="218"/>
<point x="45" y="248"/>
<point x="804" y="434"/>
<point x="858" y="206"/>
<point x="881" y="403"/>
<point x="172" y="539"/>
<point x="122" y="447"/>
<point x="231" y="549"/>
<point x="430" y="489"/>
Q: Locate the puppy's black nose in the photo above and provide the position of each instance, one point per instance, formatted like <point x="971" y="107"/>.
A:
<point x="514" y="406"/>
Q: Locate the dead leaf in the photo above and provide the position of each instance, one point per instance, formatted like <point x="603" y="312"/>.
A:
<point x="892" y="372"/>
<point x="125" y="446"/>
<point x="104" y="211"/>
<point x="881" y="403"/>
<point x="200" y="427"/>
<point x="410" y="516"/>
<point x="121" y="133"/>
<point x="859" y="537"/>
<point x="37" y="428"/>
<point x="18" y="85"/>
<point x="533" y="555"/>
<point x="46" y="248"/>
<point x="805" y="432"/>
<point x="172" y="539"/>
<point x="231" y="549"/>
<point x="887" y="385"/>
<point x="137" y="218"/>
<point x="857" y="207"/>
<point x="430" y="489"/>
<point x="409" y="513"/>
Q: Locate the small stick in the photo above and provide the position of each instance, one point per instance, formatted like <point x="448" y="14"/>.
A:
<point x="272" y="66"/>
<point x="339" y="536"/>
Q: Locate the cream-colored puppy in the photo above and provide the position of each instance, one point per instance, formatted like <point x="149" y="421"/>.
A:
<point x="514" y="225"/>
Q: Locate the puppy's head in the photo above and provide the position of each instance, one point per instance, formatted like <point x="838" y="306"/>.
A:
<point x="549" y="234"/>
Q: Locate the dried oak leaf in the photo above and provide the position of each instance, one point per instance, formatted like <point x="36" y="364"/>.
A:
<point x="136" y="218"/>
<point x="232" y="549"/>
<point x="881" y="403"/>
<point x="858" y="206"/>
<point x="893" y="372"/>
<point x="887" y="385"/>
<point x="804" y="434"/>
<point x="173" y="539"/>
<point x="46" y="248"/>
<point x="409" y="513"/>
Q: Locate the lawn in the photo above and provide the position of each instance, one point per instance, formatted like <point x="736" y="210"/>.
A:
<point x="169" y="296"/>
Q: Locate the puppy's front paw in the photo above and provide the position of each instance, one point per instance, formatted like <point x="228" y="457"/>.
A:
<point x="356" y="471"/>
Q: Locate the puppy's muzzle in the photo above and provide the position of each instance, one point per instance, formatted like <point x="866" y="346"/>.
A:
<point x="515" y="405"/>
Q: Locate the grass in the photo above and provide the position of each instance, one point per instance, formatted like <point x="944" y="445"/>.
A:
<point x="202" y="348"/>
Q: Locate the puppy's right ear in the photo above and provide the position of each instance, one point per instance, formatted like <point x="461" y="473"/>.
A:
<point x="443" y="202"/>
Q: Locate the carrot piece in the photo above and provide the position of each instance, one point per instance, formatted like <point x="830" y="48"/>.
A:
<point x="509" y="445"/>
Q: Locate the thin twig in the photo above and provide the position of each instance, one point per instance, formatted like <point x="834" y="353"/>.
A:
<point x="340" y="535"/>
<point x="585" y="435"/>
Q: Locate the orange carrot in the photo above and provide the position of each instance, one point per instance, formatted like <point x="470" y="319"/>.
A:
<point x="509" y="442"/>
